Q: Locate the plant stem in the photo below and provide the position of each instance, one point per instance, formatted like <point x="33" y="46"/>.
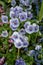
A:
<point x="18" y="53"/>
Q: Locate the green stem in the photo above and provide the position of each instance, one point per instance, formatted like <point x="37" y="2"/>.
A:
<point x="18" y="53"/>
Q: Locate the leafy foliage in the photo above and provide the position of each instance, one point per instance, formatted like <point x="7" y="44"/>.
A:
<point x="11" y="54"/>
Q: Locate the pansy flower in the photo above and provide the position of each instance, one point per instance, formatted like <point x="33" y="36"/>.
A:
<point x="14" y="23"/>
<point x="29" y="8"/>
<point x="29" y="15"/>
<point x="14" y="11"/>
<point x="22" y="31"/>
<point x="25" y="44"/>
<point x="36" y="57"/>
<point x="29" y="29"/>
<point x="4" y="33"/>
<point x="12" y="14"/>
<point x="23" y="16"/>
<point x="4" y="18"/>
<point x="24" y="41"/>
<point x="31" y="52"/>
<point x="15" y="36"/>
<point x="17" y="10"/>
<point x="27" y="24"/>
<point x="18" y="44"/>
<point x="19" y="40"/>
<point x="38" y="47"/>
<point x="13" y="3"/>
<point x="20" y="61"/>
<point x="13" y="28"/>
<point x="36" y="27"/>
<point x="25" y="2"/>
<point x="26" y="49"/>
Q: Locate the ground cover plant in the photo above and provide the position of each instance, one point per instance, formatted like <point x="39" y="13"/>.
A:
<point x="21" y="32"/>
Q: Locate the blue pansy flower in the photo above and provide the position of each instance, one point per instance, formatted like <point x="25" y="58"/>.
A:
<point x="25" y="44"/>
<point x="15" y="36"/>
<point x="27" y="24"/>
<point x="25" y="49"/>
<point x="29" y="29"/>
<point x="23" y="16"/>
<point x="38" y="47"/>
<point x="4" y="33"/>
<point x="4" y="18"/>
<point x="36" y="27"/>
<point x="20" y="41"/>
<point x="12" y="14"/>
<point x="31" y="53"/>
<point x="22" y="31"/>
<point x="25" y="2"/>
<point x="36" y="57"/>
<point x="13" y="28"/>
<point x="24" y="41"/>
<point x="17" y="10"/>
<point x="14" y="23"/>
<point x="29" y="15"/>
<point x="20" y="62"/>
<point x="29" y="8"/>
<point x="13" y="3"/>
<point x="18" y="44"/>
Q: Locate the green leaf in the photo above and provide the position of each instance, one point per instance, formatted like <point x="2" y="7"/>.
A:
<point x="2" y="3"/>
<point x="7" y="1"/>
<point x="41" y="12"/>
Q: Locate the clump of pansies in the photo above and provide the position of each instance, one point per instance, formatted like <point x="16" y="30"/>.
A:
<point x="22" y="28"/>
